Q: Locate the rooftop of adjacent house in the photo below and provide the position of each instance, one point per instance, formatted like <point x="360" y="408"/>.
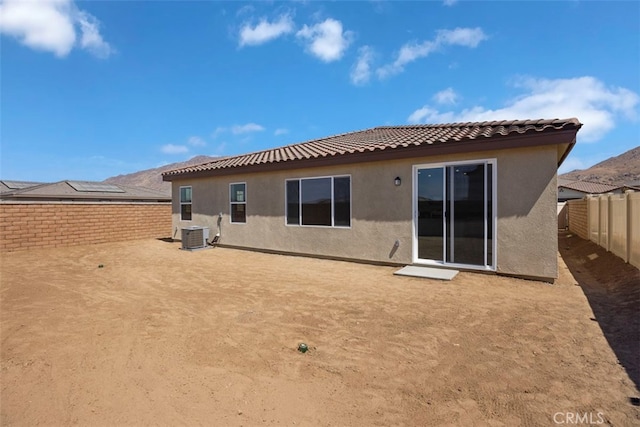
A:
<point x="587" y="187"/>
<point x="400" y="140"/>
<point x="77" y="191"/>
<point x="6" y="185"/>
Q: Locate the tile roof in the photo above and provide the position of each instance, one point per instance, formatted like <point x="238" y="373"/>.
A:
<point x="383" y="138"/>
<point x="589" y="187"/>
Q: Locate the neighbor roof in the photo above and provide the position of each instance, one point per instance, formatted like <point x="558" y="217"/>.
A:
<point x="10" y="185"/>
<point x="83" y="190"/>
<point x="403" y="141"/>
<point x="589" y="187"/>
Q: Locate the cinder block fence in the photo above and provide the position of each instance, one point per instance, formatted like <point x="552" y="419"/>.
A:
<point x="578" y="218"/>
<point x="25" y="225"/>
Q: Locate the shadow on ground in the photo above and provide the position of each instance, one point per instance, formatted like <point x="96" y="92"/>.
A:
<point x="612" y="288"/>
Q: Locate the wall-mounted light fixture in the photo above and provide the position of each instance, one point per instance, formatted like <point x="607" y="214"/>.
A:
<point x="397" y="181"/>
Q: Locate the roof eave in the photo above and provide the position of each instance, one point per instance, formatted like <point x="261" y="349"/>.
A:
<point x="567" y="151"/>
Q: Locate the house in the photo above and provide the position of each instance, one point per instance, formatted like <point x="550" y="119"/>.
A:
<point x="570" y="189"/>
<point x="479" y="196"/>
<point x="68" y="213"/>
<point x="77" y="191"/>
<point x="631" y="185"/>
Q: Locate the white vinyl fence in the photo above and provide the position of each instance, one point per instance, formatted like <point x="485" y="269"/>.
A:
<point x="614" y="223"/>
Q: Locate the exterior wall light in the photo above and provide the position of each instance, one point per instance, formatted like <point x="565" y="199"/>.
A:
<point x="397" y="181"/>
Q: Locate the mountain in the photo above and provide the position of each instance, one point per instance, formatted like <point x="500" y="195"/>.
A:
<point x="152" y="178"/>
<point x="619" y="170"/>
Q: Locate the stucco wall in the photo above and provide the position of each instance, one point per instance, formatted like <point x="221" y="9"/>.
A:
<point x="25" y="225"/>
<point x="382" y="212"/>
<point x="527" y="218"/>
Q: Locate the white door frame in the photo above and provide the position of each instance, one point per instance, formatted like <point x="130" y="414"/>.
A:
<point x="494" y="219"/>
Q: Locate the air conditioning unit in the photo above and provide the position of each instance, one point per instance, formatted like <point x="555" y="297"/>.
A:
<point x="194" y="237"/>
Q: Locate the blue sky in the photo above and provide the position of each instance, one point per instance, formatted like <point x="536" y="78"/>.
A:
<point x="95" y="89"/>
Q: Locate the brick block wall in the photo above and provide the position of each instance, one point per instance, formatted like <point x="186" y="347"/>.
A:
<point x="578" y="218"/>
<point x="58" y="224"/>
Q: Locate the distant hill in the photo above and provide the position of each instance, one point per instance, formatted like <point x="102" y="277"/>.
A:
<point x="152" y="178"/>
<point x="619" y="170"/>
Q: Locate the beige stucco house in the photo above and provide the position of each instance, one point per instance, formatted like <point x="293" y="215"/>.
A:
<point x="478" y="196"/>
<point x="572" y="189"/>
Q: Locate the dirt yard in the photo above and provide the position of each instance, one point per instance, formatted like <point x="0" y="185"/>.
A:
<point x="142" y="333"/>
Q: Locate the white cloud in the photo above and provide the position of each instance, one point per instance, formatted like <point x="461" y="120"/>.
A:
<point x="245" y="10"/>
<point x="219" y="131"/>
<point x="91" y="38"/>
<point x="467" y="37"/>
<point x="237" y="129"/>
<point x="196" y="141"/>
<point x="249" y="127"/>
<point x="450" y="2"/>
<point x="326" y="40"/>
<point x="265" y="31"/>
<point x="447" y="96"/>
<point x="50" y="25"/>
<point x="174" y="149"/>
<point x="596" y="106"/>
<point x="361" y="70"/>
<point x="281" y="131"/>
<point x="379" y="6"/>
<point x="425" y="115"/>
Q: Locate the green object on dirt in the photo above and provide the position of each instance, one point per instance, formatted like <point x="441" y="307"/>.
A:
<point x="302" y="347"/>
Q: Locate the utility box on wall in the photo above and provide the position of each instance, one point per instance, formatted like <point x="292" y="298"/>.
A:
<point x="195" y="237"/>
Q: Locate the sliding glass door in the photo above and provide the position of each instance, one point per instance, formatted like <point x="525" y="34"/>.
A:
<point x="454" y="214"/>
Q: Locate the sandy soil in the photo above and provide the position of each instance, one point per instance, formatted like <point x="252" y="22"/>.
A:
<point x="160" y="336"/>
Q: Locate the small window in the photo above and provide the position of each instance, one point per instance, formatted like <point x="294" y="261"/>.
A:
<point x="319" y="201"/>
<point x="293" y="202"/>
<point x="342" y="201"/>
<point x="238" y="198"/>
<point x="185" y="203"/>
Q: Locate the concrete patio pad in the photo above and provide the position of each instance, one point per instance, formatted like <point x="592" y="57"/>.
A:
<point x="427" y="272"/>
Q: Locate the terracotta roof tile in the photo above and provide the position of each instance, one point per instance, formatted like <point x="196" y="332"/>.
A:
<point x="384" y="138"/>
<point x="590" y="187"/>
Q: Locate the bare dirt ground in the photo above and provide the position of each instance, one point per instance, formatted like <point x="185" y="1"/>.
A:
<point x="160" y="336"/>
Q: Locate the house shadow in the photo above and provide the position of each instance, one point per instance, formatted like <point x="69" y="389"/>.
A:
<point x="612" y="288"/>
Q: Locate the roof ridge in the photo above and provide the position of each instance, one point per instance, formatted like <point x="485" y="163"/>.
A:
<point x="520" y="122"/>
<point x="266" y="150"/>
<point x="593" y="182"/>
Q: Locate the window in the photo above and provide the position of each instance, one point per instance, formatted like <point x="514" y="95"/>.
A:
<point x="293" y="202"/>
<point x="185" y="203"/>
<point x="238" y="198"/>
<point x="322" y="202"/>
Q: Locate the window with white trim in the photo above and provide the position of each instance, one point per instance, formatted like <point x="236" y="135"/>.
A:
<point x="238" y="200"/>
<point x="323" y="201"/>
<point x="185" y="203"/>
